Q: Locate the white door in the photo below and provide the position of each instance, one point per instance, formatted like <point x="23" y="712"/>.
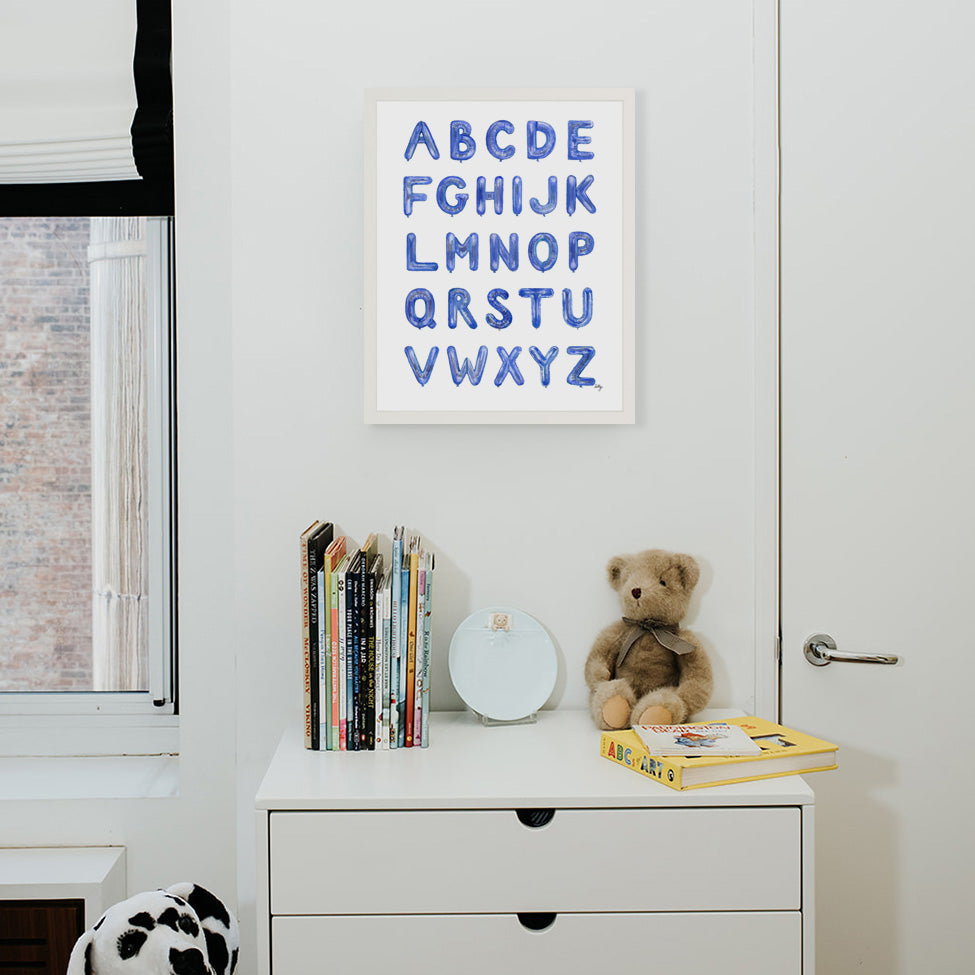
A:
<point x="878" y="477"/>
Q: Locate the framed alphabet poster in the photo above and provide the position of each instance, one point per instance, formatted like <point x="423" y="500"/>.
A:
<point x="499" y="239"/>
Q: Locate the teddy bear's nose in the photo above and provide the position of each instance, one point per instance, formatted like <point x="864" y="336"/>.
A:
<point x="636" y="593"/>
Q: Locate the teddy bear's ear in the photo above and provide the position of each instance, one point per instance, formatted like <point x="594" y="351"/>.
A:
<point x="689" y="570"/>
<point x="614" y="569"/>
<point x="79" y="963"/>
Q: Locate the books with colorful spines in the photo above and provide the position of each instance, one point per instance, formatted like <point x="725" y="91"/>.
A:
<point x="338" y="653"/>
<point x="371" y="664"/>
<point x="351" y="644"/>
<point x="427" y="614"/>
<point x="716" y="738"/>
<point x="328" y="660"/>
<point x="414" y="565"/>
<point x="394" y="636"/>
<point x="784" y="751"/>
<point x="383" y="634"/>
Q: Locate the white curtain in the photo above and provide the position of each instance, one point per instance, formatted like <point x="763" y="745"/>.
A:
<point x="67" y="94"/>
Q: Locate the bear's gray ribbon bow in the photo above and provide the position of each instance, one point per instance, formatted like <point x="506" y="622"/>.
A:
<point x="665" y="636"/>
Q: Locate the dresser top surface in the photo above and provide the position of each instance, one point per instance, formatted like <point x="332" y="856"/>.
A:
<point x="555" y="762"/>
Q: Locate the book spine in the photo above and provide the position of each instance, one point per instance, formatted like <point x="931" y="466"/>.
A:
<point x="394" y="645"/>
<point x="635" y="758"/>
<point x="411" y="649"/>
<point x="427" y="622"/>
<point x="313" y="665"/>
<point x="404" y="638"/>
<point x="353" y="595"/>
<point x="369" y="711"/>
<point x="421" y="592"/>
<point x="324" y="649"/>
<point x="305" y="637"/>
<point x="334" y="674"/>
<point x="343" y="662"/>
<point x="383" y="722"/>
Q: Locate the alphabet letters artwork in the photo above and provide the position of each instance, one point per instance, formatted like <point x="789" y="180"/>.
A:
<point x="501" y="288"/>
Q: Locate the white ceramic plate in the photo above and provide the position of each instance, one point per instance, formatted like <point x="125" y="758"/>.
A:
<point x="502" y="674"/>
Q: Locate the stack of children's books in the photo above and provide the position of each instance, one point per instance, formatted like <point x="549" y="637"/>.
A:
<point x="365" y="619"/>
<point x="692" y="756"/>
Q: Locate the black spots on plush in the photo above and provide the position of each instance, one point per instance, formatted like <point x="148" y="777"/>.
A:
<point x="101" y="921"/>
<point x="143" y="920"/>
<point x="88" y="947"/>
<point x="206" y="905"/>
<point x="189" y="962"/>
<point x="169" y="917"/>
<point x="233" y="962"/>
<point x="130" y="943"/>
<point x="217" y="951"/>
<point x="179" y="922"/>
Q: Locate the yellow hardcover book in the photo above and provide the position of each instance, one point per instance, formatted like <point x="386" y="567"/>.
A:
<point x="785" y="751"/>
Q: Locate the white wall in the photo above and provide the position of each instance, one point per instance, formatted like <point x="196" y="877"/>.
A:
<point x="523" y="515"/>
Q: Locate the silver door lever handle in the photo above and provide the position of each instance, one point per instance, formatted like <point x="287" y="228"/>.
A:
<point x="820" y="650"/>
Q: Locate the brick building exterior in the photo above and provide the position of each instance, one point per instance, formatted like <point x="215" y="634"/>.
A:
<point x="45" y="455"/>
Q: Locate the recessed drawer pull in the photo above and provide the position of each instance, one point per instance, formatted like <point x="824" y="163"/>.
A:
<point x="533" y="818"/>
<point x="537" y="920"/>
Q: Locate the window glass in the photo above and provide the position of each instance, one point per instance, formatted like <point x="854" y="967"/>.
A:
<point x="84" y="474"/>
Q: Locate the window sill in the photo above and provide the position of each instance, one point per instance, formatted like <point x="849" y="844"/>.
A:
<point x="89" y="777"/>
<point x="84" y="736"/>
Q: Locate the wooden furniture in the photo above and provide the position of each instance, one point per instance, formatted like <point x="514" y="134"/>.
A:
<point x="519" y="849"/>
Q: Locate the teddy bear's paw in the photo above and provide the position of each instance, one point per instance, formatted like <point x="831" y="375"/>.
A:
<point x="616" y="712"/>
<point x="656" y="714"/>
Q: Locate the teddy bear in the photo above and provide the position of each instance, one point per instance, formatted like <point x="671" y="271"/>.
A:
<point x="644" y="669"/>
<point x="183" y="930"/>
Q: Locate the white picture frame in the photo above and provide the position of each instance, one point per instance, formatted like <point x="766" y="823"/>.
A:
<point x="499" y="255"/>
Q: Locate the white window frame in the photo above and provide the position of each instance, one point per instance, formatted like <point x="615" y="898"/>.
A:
<point x="127" y="722"/>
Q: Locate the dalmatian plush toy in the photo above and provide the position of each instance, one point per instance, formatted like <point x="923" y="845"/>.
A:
<point x="183" y="930"/>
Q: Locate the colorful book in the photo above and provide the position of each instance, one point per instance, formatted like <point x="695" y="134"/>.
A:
<point x="328" y="661"/>
<point x="351" y="575"/>
<point x="337" y="648"/>
<point x="414" y="566"/>
<point x="427" y="613"/>
<point x="717" y="738"/>
<point x="340" y="575"/>
<point x="404" y="638"/>
<point x="394" y="638"/>
<point x="784" y="751"/>
<point x="384" y="640"/>
<point x="421" y="595"/>
<point x="372" y="662"/>
<point x="320" y="677"/>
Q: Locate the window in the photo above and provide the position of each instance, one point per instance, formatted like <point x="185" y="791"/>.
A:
<point x="87" y="519"/>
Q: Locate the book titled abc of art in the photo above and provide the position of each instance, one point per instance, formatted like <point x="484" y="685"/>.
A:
<point x="782" y="751"/>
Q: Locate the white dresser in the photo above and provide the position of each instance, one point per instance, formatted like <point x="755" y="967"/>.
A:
<point x="521" y="850"/>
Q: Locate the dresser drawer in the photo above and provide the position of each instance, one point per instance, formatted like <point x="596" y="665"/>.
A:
<point x="485" y="944"/>
<point x="481" y="861"/>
